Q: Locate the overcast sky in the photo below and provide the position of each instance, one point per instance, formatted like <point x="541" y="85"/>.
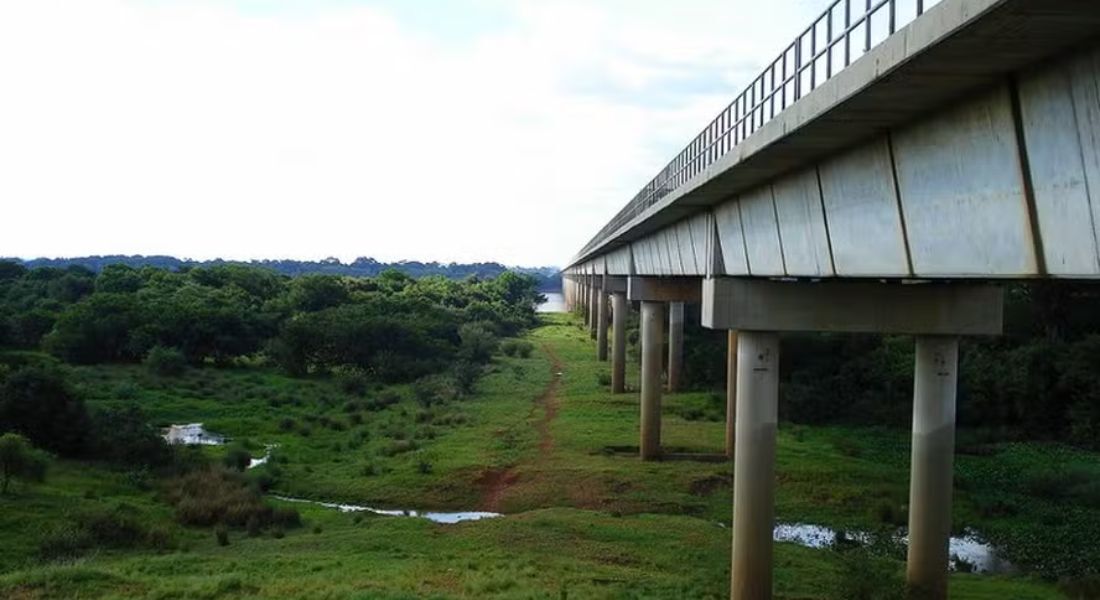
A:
<point x="495" y="130"/>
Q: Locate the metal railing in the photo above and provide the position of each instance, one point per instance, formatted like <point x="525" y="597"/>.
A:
<point x="831" y="43"/>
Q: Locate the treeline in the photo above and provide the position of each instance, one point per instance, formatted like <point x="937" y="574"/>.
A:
<point x="391" y="327"/>
<point x="1040" y="380"/>
<point x="547" y="278"/>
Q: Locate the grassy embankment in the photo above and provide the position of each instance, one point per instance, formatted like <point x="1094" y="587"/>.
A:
<point x="586" y="519"/>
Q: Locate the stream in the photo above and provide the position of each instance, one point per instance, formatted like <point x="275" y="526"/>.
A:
<point x="969" y="547"/>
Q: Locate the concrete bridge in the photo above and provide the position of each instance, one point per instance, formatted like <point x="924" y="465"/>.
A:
<point x="885" y="173"/>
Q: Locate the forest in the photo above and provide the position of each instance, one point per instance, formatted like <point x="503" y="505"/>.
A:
<point x="388" y="329"/>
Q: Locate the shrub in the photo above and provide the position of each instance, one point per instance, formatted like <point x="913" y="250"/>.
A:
<point x="354" y="384"/>
<point x="39" y="403"/>
<point x="509" y="347"/>
<point x="19" y="460"/>
<point x="253" y="526"/>
<point x="124" y="436"/>
<point x="478" y="341"/>
<point x="424" y="467"/>
<point x="119" y="527"/>
<point x="222" y="535"/>
<point x="603" y="379"/>
<point x="212" y="496"/>
<point x="237" y="457"/>
<point x="287" y="424"/>
<point x="524" y="349"/>
<point x="165" y="362"/>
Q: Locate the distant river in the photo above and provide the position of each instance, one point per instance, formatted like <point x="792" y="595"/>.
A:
<point x="555" y="302"/>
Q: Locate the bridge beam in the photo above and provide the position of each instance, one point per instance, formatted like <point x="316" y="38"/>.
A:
<point x="675" y="344"/>
<point x="935" y="313"/>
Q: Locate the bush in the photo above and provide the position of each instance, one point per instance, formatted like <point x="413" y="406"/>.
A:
<point x="119" y="527"/>
<point x="222" y="535"/>
<point x="165" y="362"/>
<point x="237" y="457"/>
<point x="37" y="402"/>
<point x="478" y="341"/>
<point x="525" y="349"/>
<point x="124" y="437"/>
<point x="509" y="347"/>
<point x="19" y="460"/>
<point x="212" y="496"/>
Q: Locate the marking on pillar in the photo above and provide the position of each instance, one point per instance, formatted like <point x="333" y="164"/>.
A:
<point x="744" y="242"/>
<point x="825" y="218"/>
<point x="897" y="198"/>
<point x="1025" y="173"/>
<point x="778" y="230"/>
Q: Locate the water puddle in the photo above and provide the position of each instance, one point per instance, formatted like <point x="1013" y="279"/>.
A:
<point x="194" y="434"/>
<point x="255" y="462"/>
<point x="969" y="547"/>
<point x="435" y="517"/>
<point x="191" y="434"/>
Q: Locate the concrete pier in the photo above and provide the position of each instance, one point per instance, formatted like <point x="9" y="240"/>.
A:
<point x="731" y="392"/>
<point x="675" y="345"/>
<point x="602" y="309"/>
<point x="652" y="318"/>
<point x="593" y="307"/>
<point x="931" y="473"/>
<point x="618" y="348"/>
<point x="754" y="466"/>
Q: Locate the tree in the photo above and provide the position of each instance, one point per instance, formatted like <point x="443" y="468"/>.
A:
<point x="479" y="342"/>
<point x="166" y="362"/>
<point x="19" y="460"/>
<point x="37" y="402"/>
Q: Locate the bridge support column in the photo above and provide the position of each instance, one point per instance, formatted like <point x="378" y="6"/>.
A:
<point x="934" y="388"/>
<point x="754" y="466"/>
<point x="593" y="308"/>
<point x="675" y="344"/>
<point x="731" y="392"/>
<point x="618" y="348"/>
<point x="601" y="325"/>
<point x="654" y="293"/>
<point x="652" y="325"/>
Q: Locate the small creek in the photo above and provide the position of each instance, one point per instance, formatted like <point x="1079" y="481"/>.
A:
<point x="194" y="434"/>
<point x="437" y="517"/>
<point x="968" y="547"/>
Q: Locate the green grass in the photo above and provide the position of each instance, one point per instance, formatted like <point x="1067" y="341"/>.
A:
<point x="585" y="520"/>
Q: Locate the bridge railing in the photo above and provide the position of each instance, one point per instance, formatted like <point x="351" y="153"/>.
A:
<point x="844" y="32"/>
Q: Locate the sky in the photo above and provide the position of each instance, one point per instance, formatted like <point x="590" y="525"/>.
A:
<point x="449" y="130"/>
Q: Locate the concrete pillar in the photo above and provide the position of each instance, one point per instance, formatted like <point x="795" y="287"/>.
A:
<point x="675" y="344"/>
<point x="731" y="391"/>
<point x="587" y="308"/>
<point x="601" y="326"/>
<point x="935" y="383"/>
<point x="652" y="325"/>
<point x="754" y="465"/>
<point x="618" y="348"/>
<point x="593" y="310"/>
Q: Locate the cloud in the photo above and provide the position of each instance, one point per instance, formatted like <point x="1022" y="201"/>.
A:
<point x="292" y="129"/>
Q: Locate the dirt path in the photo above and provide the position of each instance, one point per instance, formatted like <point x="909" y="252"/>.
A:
<point x="495" y="482"/>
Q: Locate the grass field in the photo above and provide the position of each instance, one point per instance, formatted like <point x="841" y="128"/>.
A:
<point x="543" y="442"/>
